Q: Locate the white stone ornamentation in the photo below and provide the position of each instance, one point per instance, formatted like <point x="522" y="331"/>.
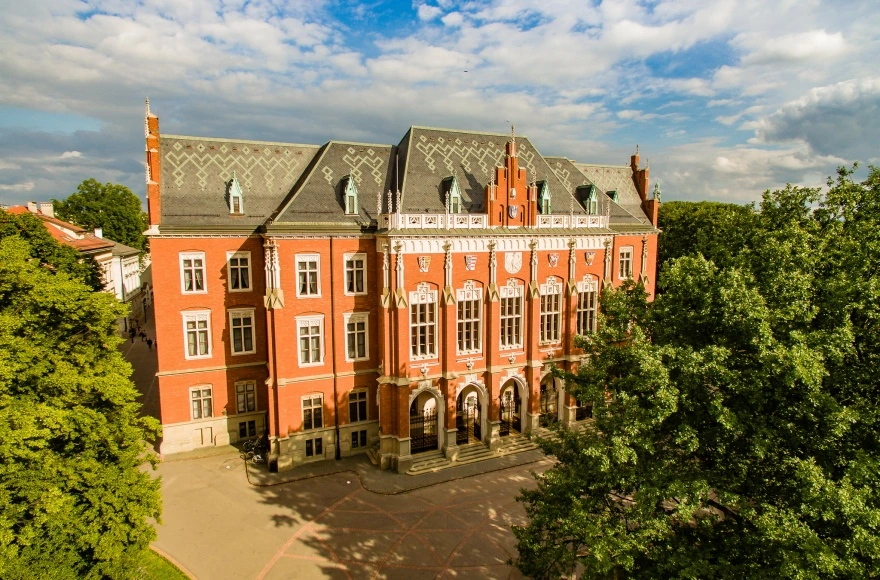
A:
<point x="554" y="260"/>
<point x="512" y="262"/>
<point x="424" y="263"/>
<point x="470" y="262"/>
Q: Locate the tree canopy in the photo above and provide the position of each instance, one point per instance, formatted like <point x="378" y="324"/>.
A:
<point x="736" y="416"/>
<point x="73" y="499"/>
<point x="109" y="206"/>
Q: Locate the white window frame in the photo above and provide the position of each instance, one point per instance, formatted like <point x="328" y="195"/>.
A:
<point x="239" y="313"/>
<point x="361" y="395"/>
<point x="309" y="400"/>
<point x="202" y="398"/>
<point x="356" y="318"/>
<point x="236" y="194"/>
<point x="587" y="306"/>
<point x="197" y="316"/>
<point x="511" y="291"/>
<point x="423" y="302"/>
<point x="472" y="294"/>
<point x="183" y="256"/>
<point x="346" y="258"/>
<point x="241" y="388"/>
<point x="310" y="322"/>
<point x="229" y="267"/>
<point x="551" y="312"/>
<point x="302" y="259"/>
<point x="625" y="263"/>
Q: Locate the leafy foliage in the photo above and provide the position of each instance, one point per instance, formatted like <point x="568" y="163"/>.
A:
<point x="73" y="499"/>
<point x="736" y="417"/>
<point x="109" y="206"/>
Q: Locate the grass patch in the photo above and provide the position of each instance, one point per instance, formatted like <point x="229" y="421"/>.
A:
<point x="155" y="567"/>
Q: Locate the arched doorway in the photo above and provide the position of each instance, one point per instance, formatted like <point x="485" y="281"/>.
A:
<point x="549" y="402"/>
<point x="468" y="417"/>
<point x="510" y="409"/>
<point x="423" y="423"/>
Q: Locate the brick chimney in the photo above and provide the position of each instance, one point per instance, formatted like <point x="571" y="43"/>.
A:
<point x="151" y="136"/>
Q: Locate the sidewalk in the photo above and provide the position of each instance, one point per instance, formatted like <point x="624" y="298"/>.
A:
<point x="144" y="362"/>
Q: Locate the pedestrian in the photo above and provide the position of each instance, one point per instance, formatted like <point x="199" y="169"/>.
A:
<point x="150" y="343"/>
<point x="131" y="334"/>
<point x="143" y="335"/>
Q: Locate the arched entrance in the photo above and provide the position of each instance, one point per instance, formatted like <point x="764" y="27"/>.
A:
<point x="511" y="407"/>
<point x="423" y="423"/>
<point x="468" y="417"/>
<point x="549" y="402"/>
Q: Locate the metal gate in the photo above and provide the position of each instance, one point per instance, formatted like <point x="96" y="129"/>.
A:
<point x="510" y="415"/>
<point x="467" y="422"/>
<point x="423" y="431"/>
<point x="548" y="405"/>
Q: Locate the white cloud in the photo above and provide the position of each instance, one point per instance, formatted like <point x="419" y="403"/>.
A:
<point x="26" y="186"/>
<point x="428" y="12"/>
<point x="809" y="46"/>
<point x="453" y="19"/>
<point x="70" y="154"/>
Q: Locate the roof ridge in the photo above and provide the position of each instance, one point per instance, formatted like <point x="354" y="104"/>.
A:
<point x="225" y="140"/>
<point x="505" y="135"/>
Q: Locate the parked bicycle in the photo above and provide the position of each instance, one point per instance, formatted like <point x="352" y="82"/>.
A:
<point x="256" y="450"/>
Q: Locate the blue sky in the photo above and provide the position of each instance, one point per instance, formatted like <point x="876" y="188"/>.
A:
<point x="725" y="98"/>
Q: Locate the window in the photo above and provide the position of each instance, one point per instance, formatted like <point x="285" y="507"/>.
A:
<point x="247" y="429"/>
<point x="351" y="196"/>
<point x="356" y="336"/>
<point x="314" y="447"/>
<point x="469" y="318"/>
<point x="245" y="397"/>
<point x="613" y="195"/>
<point x="241" y="323"/>
<point x="307" y="274"/>
<point x="239" y="268"/>
<point x="192" y="272"/>
<point x="544" y="205"/>
<point x="355" y="273"/>
<point x="588" y="294"/>
<point x="202" y="403"/>
<point x="357" y="406"/>
<point x="511" y="315"/>
<point x="236" y="196"/>
<point x="313" y="412"/>
<point x="422" y="315"/>
<point x="197" y="332"/>
<point x="551" y="310"/>
<point x="358" y="438"/>
<point x="587" y="196"/>
<point x="453" y="195"/>
<point x="626" y="260"/>
<point x="311" y="351"/>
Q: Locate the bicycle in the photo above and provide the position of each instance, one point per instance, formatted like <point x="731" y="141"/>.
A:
<point x="256" y="450"/>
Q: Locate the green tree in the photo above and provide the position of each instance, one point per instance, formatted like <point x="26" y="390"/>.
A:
<point x="736" y="417"/>
<point x="109" y="206"/>
<point x="74" y="501"/>
<point x="44" y="248"/>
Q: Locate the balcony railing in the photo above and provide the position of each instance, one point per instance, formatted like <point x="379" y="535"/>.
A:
<point x="434" y="221"/>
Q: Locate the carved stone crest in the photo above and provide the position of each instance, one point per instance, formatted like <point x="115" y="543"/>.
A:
<point x="424" y="263"/>
<point x="470" y="262"/>
<point x="512" y="262"/>
<point x="513" y="211"/>
<point x="554" y="260"/>
<point x="590" y="256"/>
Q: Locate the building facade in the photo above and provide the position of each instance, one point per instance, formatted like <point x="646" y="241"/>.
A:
<point x="393" y="298"/>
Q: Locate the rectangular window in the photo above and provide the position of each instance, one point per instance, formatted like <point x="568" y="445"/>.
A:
<point x="192" y="272"/>
<point x="246" y="397"/>
<point x="511" y="321"/>
<point x="307" y="274"/>
<point x="202" y="403"/>
<point x="310" y="340"/>
<point x="314" y="447"/>
<point x="586" y="311"/>
<point x="197" y="332"/>
<point x="626" y="259"/>
<point x="358" y="439"/>
<point x="551" y="316"/>
<point x="422" y="322"/>
<point x="313" y="412"/>
<point x="241" y="323"/>
<point x="469" y="323"/>
<point x="239" y="268"/>
<point x="356" y="336"/>
<point x="247" y="429"/>
<point x="355" y="273"/>
<point x="357" y="406"/>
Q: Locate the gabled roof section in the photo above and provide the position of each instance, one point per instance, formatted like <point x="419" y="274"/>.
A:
<point x="318" y="198"/>
<point x="608" y="178"/>
<point x="431" y="155"/>
<point x="195" y="172"/>
<point x="69" y="234"/>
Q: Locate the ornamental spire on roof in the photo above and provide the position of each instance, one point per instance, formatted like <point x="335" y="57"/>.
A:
<point x="146" y="122"/>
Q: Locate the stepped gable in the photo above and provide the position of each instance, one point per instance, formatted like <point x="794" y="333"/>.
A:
<point x="319" y="196"/>
<point x="617" y="178"/>
<point x="195" y="172"/>
<point x="428" y="156"/>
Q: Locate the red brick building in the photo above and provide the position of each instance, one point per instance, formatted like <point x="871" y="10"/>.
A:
<point x="393" y="298"/>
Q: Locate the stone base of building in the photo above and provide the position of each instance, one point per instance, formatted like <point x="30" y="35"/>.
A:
<point x="211" y="432"/>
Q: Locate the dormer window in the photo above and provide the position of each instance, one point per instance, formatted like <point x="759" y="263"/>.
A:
<point x="236" y="196"/>
<point x="453" y="195"/>
<point x="351" y="196"/>
<point x="543" y="197"/>
<point x="587" y="197"/>
<point x="613" y="195"/>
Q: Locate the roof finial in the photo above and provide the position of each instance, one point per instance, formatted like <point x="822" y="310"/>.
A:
<point x="657" y="190"/>
<point x="637" y="148"/>
<point x="148" y="107"/>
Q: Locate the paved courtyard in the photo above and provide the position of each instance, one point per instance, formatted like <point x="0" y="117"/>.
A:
<point x="218" y="525"/>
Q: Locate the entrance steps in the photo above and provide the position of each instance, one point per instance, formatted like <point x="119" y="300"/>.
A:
<point x="431" y="461"/>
